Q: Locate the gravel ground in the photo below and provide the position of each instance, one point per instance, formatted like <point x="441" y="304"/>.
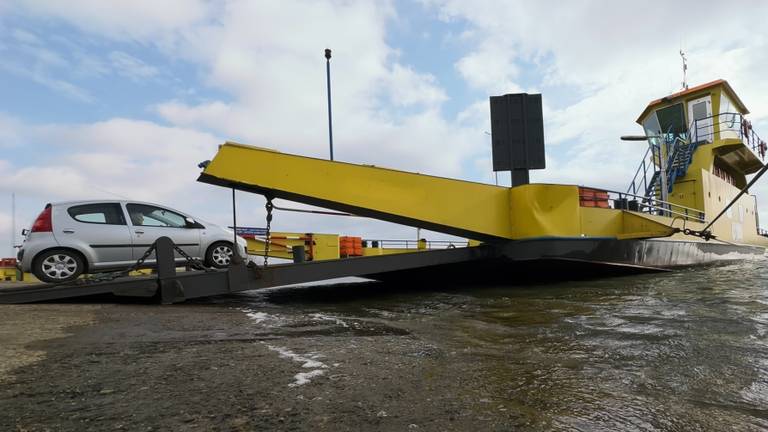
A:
<point x="201" y="367"/>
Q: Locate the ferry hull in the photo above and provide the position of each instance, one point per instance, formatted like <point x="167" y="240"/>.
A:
<point x="544" y="260"/>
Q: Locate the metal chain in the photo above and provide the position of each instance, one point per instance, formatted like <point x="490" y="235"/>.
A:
<point x="193" y="263"/>
<point x="269" y="208"/>
<point x="106" y="277"/>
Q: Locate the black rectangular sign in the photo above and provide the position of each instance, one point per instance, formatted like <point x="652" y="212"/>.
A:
<point x="517" y="128"/>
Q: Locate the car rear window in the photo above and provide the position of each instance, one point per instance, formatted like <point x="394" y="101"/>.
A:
<point x="102" y="213"/>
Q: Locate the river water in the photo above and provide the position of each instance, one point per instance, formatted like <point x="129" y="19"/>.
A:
<point x="686" y="350"/>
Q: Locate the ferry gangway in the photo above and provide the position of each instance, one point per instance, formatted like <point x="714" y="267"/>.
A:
<point x="168" y="286"/>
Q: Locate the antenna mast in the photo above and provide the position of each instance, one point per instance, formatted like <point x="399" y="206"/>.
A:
<point x="13" y="224"/>
<point x="685" y="70"/>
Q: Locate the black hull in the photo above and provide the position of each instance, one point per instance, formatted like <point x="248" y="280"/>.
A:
<point x="545" y="260"/>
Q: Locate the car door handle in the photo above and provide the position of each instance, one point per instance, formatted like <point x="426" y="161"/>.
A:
<point x="139" y="232"/>
<point x="68" y="231"/>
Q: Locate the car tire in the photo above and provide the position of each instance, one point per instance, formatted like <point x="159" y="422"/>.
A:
<point x="219" y="255"/>
<point x="58" y="265"/>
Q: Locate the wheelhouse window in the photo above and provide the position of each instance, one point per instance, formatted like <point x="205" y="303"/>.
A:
<point x="101" y="213"/>
<point x="652" y="129"/>
<point x="729" y="118"/>
<point x="720" y="171"/>
<point x="672" y="120"/>
<point x="147" y="215"/>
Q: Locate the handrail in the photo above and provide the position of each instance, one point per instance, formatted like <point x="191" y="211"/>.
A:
<point x="644" y="169"/>
<point x="411" y="244"/>
<point x="672" y="153"/>
<point x="654" y="199"/>
<point x="656" y="205"/>
<point x="751" y="139"/>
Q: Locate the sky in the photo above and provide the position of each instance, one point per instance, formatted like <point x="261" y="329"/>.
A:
<point x="122" y="99"/>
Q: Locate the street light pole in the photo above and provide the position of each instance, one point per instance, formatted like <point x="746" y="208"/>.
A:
<point x="13" y="224"/>
<point x="495" y="173"/>
<point x="328" y="81"/>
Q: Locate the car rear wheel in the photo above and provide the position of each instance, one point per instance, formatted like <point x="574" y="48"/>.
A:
<point x="219" y="255"/>
<point x="58" y="265"/>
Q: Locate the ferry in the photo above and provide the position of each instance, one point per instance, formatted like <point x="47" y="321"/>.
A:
<point x="688" y="203"/>
<point x="701" y="150"/>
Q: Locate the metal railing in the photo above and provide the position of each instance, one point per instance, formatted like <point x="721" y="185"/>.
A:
<point x="704" y="130"/>
<point x="650" y="164"/>
<point x="700" y="130"/>
<point x="642" y="169"/>
<point x="652" y="205"/>
<point x="414" y="244"/>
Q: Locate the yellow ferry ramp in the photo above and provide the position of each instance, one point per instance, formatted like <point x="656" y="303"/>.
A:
<point x="462" y="208"/>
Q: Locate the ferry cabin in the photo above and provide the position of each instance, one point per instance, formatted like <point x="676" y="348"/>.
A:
<point x="701" y="150"/>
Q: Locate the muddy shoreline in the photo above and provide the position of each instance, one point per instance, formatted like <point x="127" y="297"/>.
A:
<point x="673" y="352"/>
<point x="200" y="367"/>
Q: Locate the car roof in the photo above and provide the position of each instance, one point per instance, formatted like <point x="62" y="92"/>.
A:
<point x="81" y="202"/>
<point x="122" y="201"/>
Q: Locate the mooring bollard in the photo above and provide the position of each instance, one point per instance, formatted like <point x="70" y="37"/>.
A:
<point x="170" y="289"/>
<point x="298" y="254"/>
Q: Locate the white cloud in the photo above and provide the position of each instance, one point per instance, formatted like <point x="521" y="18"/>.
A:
<point x="25" y="37"/>
<point x="406" y="87"/>
<point x="10" y="131"/>
<point x="276" y="78"/>
<point x="118" y="157"/>
<point x="606" y="62"/>
<point x="131" y="67"/>
<point x="5" y="235"/>
<point x="140" y="20"/>
<point x="43" y="78"/>
<point x="597" y="64"/>
<point x="486" y="69"/>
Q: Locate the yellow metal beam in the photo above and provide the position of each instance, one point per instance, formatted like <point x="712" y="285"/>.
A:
<point x="467" y="209"/>
<point x="462" y="208"/>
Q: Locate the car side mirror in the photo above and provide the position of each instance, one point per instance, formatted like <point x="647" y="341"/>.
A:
<point x="191" y="223"/>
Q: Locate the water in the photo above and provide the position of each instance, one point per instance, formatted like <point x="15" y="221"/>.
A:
<point x="681" y="351"/>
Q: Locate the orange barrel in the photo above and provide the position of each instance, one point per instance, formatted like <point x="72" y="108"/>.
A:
<point x="586" y="197"/>
<point x="346" y="246"/>
<point x="601" y="197"/>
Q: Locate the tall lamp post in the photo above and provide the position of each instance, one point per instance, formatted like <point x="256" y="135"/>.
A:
<point x="328" y="82"/>
<point x="495" y="173"/>
<point x="13" y="224"/>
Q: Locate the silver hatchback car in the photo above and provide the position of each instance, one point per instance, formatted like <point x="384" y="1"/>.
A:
<point x="71" y="238"/>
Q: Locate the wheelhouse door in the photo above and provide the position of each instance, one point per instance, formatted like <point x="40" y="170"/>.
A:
<point x="700" y="117"/>
<point x="149" y="222"/>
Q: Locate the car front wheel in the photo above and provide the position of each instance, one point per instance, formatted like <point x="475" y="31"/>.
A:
<point x="219" y="255"/>
<point x="58" y="265"/>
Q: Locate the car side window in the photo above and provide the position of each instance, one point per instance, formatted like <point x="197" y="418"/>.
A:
<point x="147" y="215"/>
<point x="101" y="213"/>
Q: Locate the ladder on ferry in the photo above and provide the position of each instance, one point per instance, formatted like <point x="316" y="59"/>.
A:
<point x="648" y="175"/>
